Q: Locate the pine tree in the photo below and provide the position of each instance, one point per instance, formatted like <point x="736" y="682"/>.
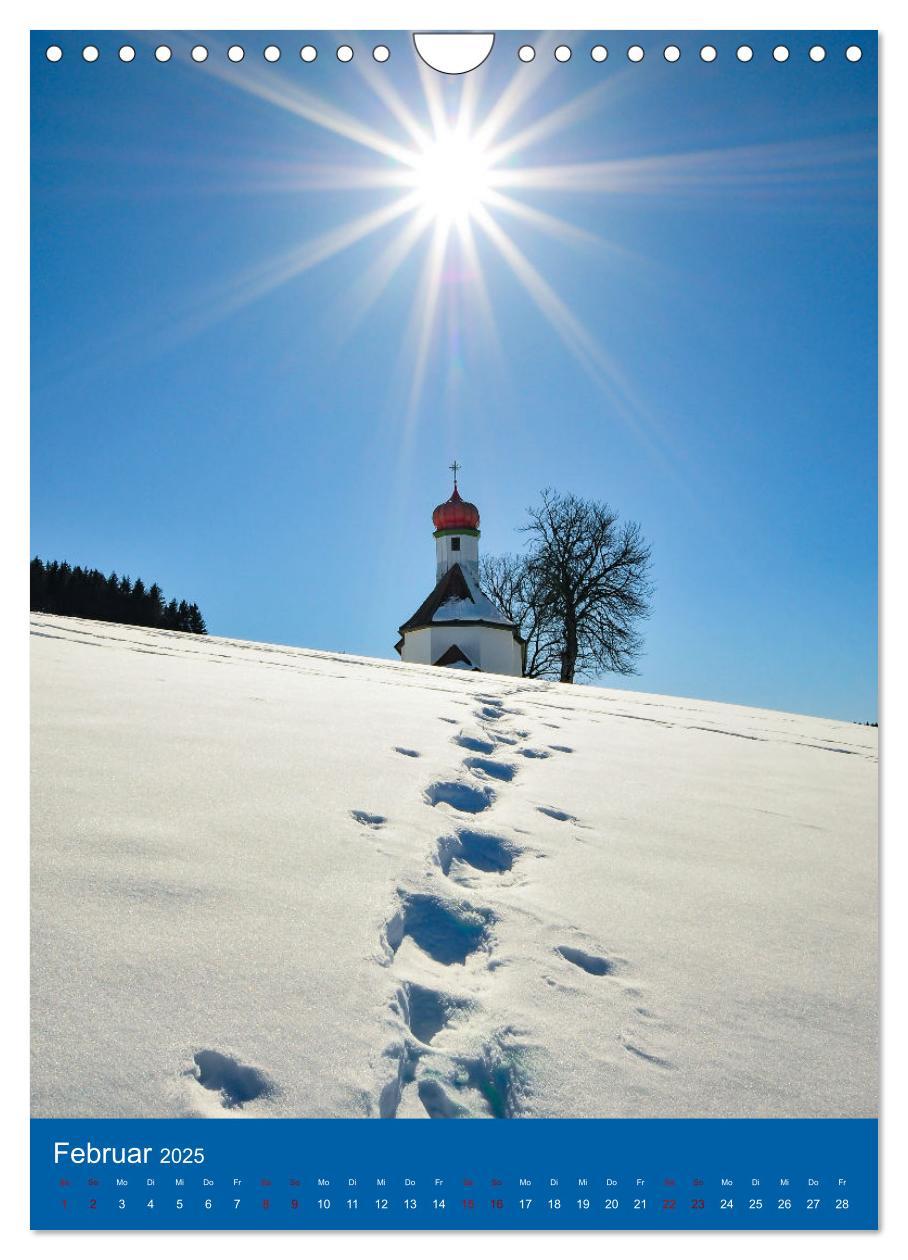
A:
<point x="155" y="605"/>
<point x="38" y="583"/>
<point x="77" y="592"/>
<point x="111" y="598"/>
<point x="171" y="616"/>
<point x="196" y="620"/>
<point x="138" y="598"/>
<point x="57" y="587"/>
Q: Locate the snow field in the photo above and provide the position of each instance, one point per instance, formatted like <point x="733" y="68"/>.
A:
<point x="277" y="882"/>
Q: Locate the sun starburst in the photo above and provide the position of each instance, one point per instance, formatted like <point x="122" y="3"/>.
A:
<point x="455" y="176"/>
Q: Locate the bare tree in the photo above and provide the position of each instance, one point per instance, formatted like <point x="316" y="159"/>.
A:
<point x="578" y="591"/>
<point x="590" y="583"/>
<point x="511" y="582"/>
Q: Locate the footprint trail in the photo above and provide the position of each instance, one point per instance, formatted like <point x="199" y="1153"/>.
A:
<point x="452" y="1054"/>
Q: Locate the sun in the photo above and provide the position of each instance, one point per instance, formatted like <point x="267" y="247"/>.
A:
<point x="452" y="175"/>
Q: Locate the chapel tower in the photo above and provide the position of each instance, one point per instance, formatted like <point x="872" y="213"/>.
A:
<point x="458" y="625"/>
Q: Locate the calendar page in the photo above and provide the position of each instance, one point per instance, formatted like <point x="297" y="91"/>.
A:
<point x="453" y="608"/>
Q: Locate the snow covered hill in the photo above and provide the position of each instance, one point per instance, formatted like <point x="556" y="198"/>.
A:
<point x="275" y="882"/>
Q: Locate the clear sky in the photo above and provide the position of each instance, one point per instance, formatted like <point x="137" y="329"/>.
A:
<point x="658" y="289"/>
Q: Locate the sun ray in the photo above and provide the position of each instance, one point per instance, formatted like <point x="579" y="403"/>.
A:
<point x="163" y="330"/>
<point x="430" y="82"/>
<point x="620" y="84"/>
<point x="551" y="123"/>
<point x="257" y="282"/>
<point x="703" y="172"/>
<point x="324" y="177"/>
<point x="525" y="81"/>
<point x="423" y="316"/>
<point x="573" y="334"/>
<point x="551" y="224"/>
<point x="469" y="99"/>
<point x="304" y="104"/>
<point x="378" y="275"/>
<point x="596" y="362"/>
<point x="491" y="340"/>
<point x="384" y="89"/>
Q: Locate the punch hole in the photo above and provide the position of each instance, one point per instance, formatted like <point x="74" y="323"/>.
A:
<point x="853" y="53"/>
<point x="599" y="52"/>
<point x="90" y="53"/>
<point x="162" y="53"/>
<point x="562" y="53"/>
<point x="272" y="53"/>
<point x="635" y="53"/>
<point x="745" y="53"/>
<point x="308" y="53"/>
<point x="345" y="53"/>
<point x="817" y="53"/>
<point x="54" y="53"/>
<point x="199" y="53"/>
<point x="708" y="53"/>
<point x="235" y="53"/>
<point x="451" y="52"/>
<point x="526" y="52"/>
<point x="780" y="53"/>
<point x="672" y="53"/>
<point x="126" y="53"/>
<point x="381" y="52"/>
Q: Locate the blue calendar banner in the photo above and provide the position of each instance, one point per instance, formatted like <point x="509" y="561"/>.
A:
<point x="534" y="1174"/>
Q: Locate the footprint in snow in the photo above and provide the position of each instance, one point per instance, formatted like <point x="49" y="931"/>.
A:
<point x="448" y="931"/>
<point x="645" y="1055"/>
<point x="237" y="1083"/>
<point x="496" y="1076"/>
<point x="366" y="819"/>
<point x="490" y="768"/>
<point x="426" y="1011"/>
<point x="559" y="815"/>
<point x="481" y="850"/>
<point x="473" y="744"/>
<point x="460" y="796"/>
<point x="592" y="964"/>
<point x="406" y="752"/>
<point x="437" y="1103"/>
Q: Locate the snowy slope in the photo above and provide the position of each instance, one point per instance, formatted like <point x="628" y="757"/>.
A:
<point x="276" y="882"/>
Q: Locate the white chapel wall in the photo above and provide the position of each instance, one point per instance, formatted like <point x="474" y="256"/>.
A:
<point x="417" y="648"/>
<point x="494" y="651"/>
<point x="500" y="652"/>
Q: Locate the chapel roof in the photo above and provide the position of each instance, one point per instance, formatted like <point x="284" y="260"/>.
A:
<point x="457" y="598"/>
<point x="456" y="658"/>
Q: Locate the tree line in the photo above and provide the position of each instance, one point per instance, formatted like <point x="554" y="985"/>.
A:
<point x="578" y="591"/>
<point x="76" y="592"/>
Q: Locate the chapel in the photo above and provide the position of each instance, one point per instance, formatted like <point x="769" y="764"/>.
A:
<point x="457" y="625"/>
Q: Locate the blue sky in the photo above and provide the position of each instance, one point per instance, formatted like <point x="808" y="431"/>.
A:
<point x="260" y="448"/>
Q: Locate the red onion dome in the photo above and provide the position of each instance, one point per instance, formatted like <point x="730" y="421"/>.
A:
<point x="456" y="513"/>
